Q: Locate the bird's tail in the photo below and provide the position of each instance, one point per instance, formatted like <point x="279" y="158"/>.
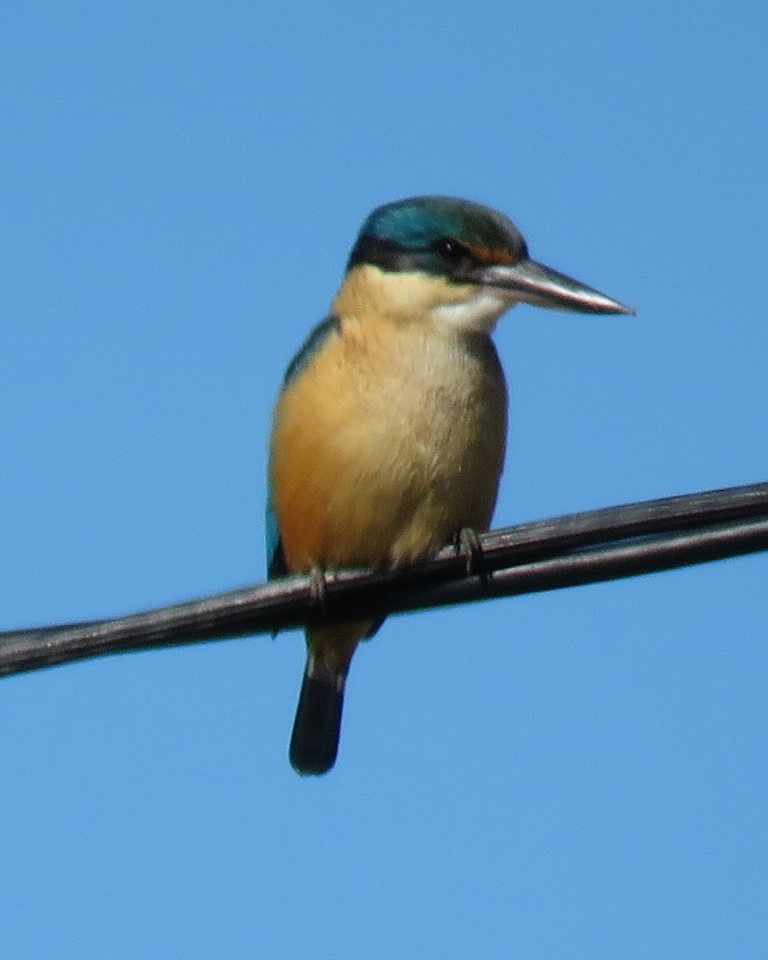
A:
<point x="315" y="737"/>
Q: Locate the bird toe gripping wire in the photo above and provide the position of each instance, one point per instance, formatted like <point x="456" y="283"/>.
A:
<point x="468" y="545"/>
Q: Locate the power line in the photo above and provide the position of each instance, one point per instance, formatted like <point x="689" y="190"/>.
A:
<point x="579" y="548"/>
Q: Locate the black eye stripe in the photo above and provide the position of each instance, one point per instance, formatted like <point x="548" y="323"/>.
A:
<point x="451" y="250"/>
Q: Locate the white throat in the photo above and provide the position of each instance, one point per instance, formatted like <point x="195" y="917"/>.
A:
<point x="478" y="313"/>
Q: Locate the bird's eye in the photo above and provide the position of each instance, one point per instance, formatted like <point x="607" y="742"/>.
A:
<point x="450" y="250"/>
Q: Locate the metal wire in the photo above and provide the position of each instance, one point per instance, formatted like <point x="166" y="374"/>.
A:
<point x="580" y="548"/>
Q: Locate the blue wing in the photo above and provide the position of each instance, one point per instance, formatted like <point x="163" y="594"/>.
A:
<point x="275" y="559"/>
<point x="317" y="336"/>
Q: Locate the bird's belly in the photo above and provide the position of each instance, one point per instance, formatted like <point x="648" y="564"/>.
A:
<point x="386" y="475"/>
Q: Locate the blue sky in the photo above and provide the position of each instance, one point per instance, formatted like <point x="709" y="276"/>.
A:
<point x="579" y="774"/>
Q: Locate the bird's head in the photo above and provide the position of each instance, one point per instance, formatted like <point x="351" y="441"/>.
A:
<point x="457" y="263"/>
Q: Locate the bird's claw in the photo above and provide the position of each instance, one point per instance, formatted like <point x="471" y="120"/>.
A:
<point x="468" y="543"/>
<point x="318" y="589"/>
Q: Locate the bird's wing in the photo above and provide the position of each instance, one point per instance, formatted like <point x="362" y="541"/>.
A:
<point x="317" y="336"/>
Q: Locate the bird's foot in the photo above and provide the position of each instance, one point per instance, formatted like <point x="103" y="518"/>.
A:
<point x="318" y="589"/>
<point x="468" y="543"/>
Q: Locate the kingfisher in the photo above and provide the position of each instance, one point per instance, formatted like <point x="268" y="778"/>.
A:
<point x="389" y="432"/>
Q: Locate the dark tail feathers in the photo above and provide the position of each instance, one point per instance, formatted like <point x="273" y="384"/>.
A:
<point x="315" y="737"/>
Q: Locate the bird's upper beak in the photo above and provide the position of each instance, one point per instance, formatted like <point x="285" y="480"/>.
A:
<point x="542" y="286"/>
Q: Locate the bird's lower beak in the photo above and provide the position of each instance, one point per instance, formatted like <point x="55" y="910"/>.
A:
<point x="532" y="282"/>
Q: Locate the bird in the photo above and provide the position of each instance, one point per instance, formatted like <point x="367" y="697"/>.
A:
<point x="389" y="431"/>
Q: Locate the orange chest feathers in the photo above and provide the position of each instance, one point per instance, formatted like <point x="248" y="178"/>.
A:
<point x="386" y="444"/>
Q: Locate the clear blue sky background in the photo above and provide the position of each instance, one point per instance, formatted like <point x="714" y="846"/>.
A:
<point x="569" y="775"/>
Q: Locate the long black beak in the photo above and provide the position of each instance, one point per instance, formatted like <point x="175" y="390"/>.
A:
<point x="542" y="286"/>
